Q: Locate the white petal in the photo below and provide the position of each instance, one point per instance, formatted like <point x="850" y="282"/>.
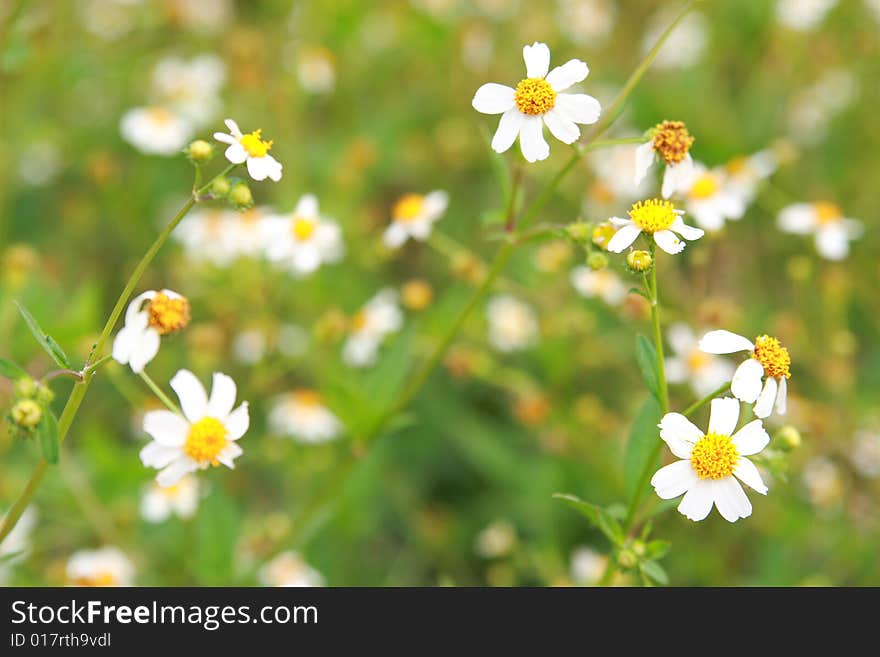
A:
<point x="228" y="454"/>
<point x="674" y="479"/>
<point x="799" y="219"/>
<point x="176" y="471"/>
<point x="676" y="370"/>
<point x="508" y="129"/>
<point x="617" y="221"/>
<point x="531" y="139"/>
<point x="144" y="347"/>
<point x="273" y="168"/>
<point x="233" y="128"/>
<point x="681" y="338"/>
<point x="193" y="400"/>
<point x="669" y="242"/>
<point x="166" y="428"/>
<point x="677" y="176"/>
<point x="236" y="153"/>
<point x="687" y="232"/>
<point x="751" y="439"/>
<point x="747" y="473"/>
<point x="395" y="235"/>
<point x="724" y="415"/>
<point x="624" y="236"/>
<point x="226" y="139"/>
<point x="133" y="314"/>
<point x="731" y="499"/>
<point x="644" y="160"/>
<point x="746" y="383"/>
<point x="237" y="422"/>
<point x="493" y="98"/>
<point x="782" y="395"/>
<point x="724" y="342"/>
<point x="697" y="502"/>
<point x="122" y="345"/>
<point x="307" y="207"/>
<point x="832" y="242"/>
<point x="572" y="72"/>
<point x="580" y="108"/>
<point x="222" y="395"/>
<point x="537" y="59"/>
<point x="765" y="401"/>
<point x="258" y="168"/>
<point x="679" y="433"/>
<point x="155" y="455"/>
<point x="436" y="203"/>
<point x="561" y="127"/>
<point x="420" y="229"/>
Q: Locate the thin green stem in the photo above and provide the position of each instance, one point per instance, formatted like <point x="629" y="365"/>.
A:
<point x="548" y="191"/>
<point x="170" y="405"/>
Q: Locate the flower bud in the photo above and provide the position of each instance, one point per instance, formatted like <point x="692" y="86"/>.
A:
<point x="220" y="188"/>
<point x="199" y="151"/>
<point x="627" y="558"/>
<point x="602" y="234"/>
<point x="44" y="394"/>
<point x="26" y="414"/>
<point x="788" y="437"/>
<point x="416" y="294"/>
<point x="26" y="388"/>
<point x="639" y="261"/>
<point x="597" y="261"/>
<point x="579" y="231"/>
<point x="240" y="196"/>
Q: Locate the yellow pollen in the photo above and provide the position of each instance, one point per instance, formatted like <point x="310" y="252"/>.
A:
<point x="672" y="141"/>
<point x="308" y="398"/>
<point x="697" y="360"/>
<point x="602" y="234"/>
<point x="534" y="96"/>
<point x="359" y="321"/>
<point x="206" y="440"/>
<point x="705" y="186"/>
<point x="160" y="115"/>
<point x="827" y="212"/>
<point x="714" y="456"/>
<point x="409" y="207"/>
<point x="773" y="356"/>
<point x="653" y="215"/>
<point x="166" y="314"/>
<point x="303" y="228"/>
<point x="738" y="165"/>
<point x="254" y="144"/>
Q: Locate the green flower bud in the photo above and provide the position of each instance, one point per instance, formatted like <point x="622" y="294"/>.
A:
<point x="240" y="196"/>
<point x="221" y="187"/>
<point x="788" y="437"/>
<point x="627" y="558"/>
<point x="26" y="414"/>
<point x="200" y="152"/>
<point x="597" y="261"/>
<point x="25" y="388"/>
<point x="639" y="261"/>
<point x="579" y="231"/>
<point x="44" y="394"/>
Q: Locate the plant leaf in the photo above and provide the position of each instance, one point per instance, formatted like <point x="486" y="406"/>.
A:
<point x="656" y="572"/>
<point x="43" y="339"/>
<point x="657" y="549"/>
<point x="10" y="370"/>
<point x="49" y="437"/>
<point x="599" y="517"/>
<point x="646" y="356"/>
<point x="643" y="439"/>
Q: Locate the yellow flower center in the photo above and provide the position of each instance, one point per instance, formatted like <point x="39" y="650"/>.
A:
<point x="672" y="141"/>
<point x="100" y="578"/>
<point x="160" y="115"/>
<point x="303" y="228"/>
<point x="773" y="356"/>
<point x="738" y="165"/>
<point x="697" y="360"/>
<point x="602" y="234"/>
<point x="309" y="398"/>
<point x="534" y="96"/>
<point x="714" y="456"/>
<point x="168" y="315"/>
<point x="254" y="144"/>
<point x="705" y="186"/>
<point x="827" y="212"/>
<point x="653" y="215"/>
<point x="408" y="207"/>
<point x="359" y="321"/>
<point x="206" y="440"/>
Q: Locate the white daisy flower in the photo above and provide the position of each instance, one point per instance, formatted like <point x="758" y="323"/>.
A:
<point x="191" y="88"/>
<point x="711" y="462"/>
<point x="379" y="317"/>
<point x="414" y="216"/>
<point x="536" y="101"/>
<point x="689" y="364"/>
<point x="833" y="232"/>
<point x="137" y="343"/>
<point x="746" y="172"/>
<point x="289" y="569"/>
<point x="106" y="566"/>
<point x="513" y="325"/>
<point x="155" y="130"/>
<point x="250" y="148"/>
<point x="182" y="499"/>
<point x="206" y="435"/>
<point x="303" y="240"/>
<point x="769" y="362"/>
<point x="303" y="415"/>
<point x="657" y="218"/>
<point x="671" y="142"/>
<point x="604" y="284"/>
<point x="587" y="22"/>
<point x="710" y="200"/>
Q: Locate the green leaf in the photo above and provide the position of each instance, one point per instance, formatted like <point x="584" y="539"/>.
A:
<point x="656" y="572"/>
<point x="643" y="439"/>
<point x="49" y="436"/>
<point x="43" y="339"/>
<point x="657" y="550"/>
<point x="10" y="370"/>
<point x="646" y="356"/>
<point x="598" y="516"/>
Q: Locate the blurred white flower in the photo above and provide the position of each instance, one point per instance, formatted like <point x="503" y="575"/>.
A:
<point x="39" y="163"/>
<point x="315" y="70"/>
<point x="477" y="47"/>
<point x="252" y="149"/>
<point x="656" y="218"/>
<point x="745" y="173"/>
<point x="812" y="110"/>
<point x="17" y="543"/>
<point x="249" y="346"/>
<point x="685" y="45"/>
<point x="537" y="101"/>
<point x="209" y="235"/>
<point x="413" y="216"/>
<point x="208" y="16"/>
<point x="303" y="415"/>
<point x="803" y="15"/>
<point x="303" y="240"/>
<point x="137" y="343"/>
<point x="865" y="453"/>
<point x="496" y="539"/>
<point x="689" y="364"/>
<point x="604" y="284"/>
<point x="107" y="19"/>
<point x="155" y="130"/>
<point x="823" y="481"/>
<point x="832" y="231"/>
<point x="205" y="436"/>
<point x="586" y="22"/>
<point x="873" y="6"/>
<point x="587" y="566"/>
<point x="190" y="88"/>
<point x="182" y="499"/>
<point x="247" y="231"/>
<point x="106" y="566"/>
<point x="710" y="199"/>
<point x="289" y="569"/>
<point x="513" y="325"/>
<point x="670" y="142"/>
<point x="614" y="168"/>
<point x="379" y="317"/>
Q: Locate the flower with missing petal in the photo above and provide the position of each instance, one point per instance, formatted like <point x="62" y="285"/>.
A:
<point x="137" y="342"/>
<point x="833" y="232"/>
<point x="538" y="101"/>
<point x="413" y="216"/>
<point x="204" y="436"/>
<point x="670" y="142"/>
<point x="252" y="149"/>
<point x="657" y="218"/>
<point x="712" y="464"/>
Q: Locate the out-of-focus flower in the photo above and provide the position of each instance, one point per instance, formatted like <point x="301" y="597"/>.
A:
<point x="671" y="142"/>
<point x="865" y="453"/>
<point x="247" y="232"/>
<point x="689" y="364"/>
<point x="874" y="7"/>
<point x="413" y="216"/>
<point x="803" y="15"/>
<point x="823" y="481"/>
<point x="745" y="172"/>
<point x="614" y="175"/>
<point x="289" y="569"/>
<point x="206" y="235"/>
<point x="711" y="463"/>
<point x="106" y="566"/>
<point x="182" y="499"/>
<point x="315" y="70"/>
<point x="513" y="325"/>
<point x="587" y="22"/>
<point x="768" y="360"/>
<point x="710" y="199"/>
<point x="303" y="415"/>
<point x="39" y="163"/>
<point x="496" y="540"/>
<point x="416" y="294"/>
<point x="17" y="543"/>
<point x="205" y="436"/>
<point x="833" y="232"/>
<point x="657" y="218"/>
<point x="685" y="45"/>
<point x="137" y="343"/>
<point x="369" y="327"/>
<point x="587" y="566"/>
<point x="604" y="284"/>
<point x="536" y="101"/>
<point x="107" y="19"/>
<point x="155" y="130"/>
<point x="303" y="240"/>
<point x="252" y="149"/>
<point x="190" y="88"/>
<point x="531" y="408"/>
<point x="812" y="110"/>
<point x="207" y="16"/>
<point x="249" y="346"/>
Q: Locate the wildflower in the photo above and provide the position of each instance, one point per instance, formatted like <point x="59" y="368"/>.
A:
<point x="303" y="415"/>
<point x="137" y="342"/>
<point x="315" y="70"/>
<point x="536" y="101"/>
<point x="289" y="569"/>
<point x="603" y="284"/>
<point x="303" y="240"/>
<point x="191" y="88"/>
<point x="240" y="196"/>
<point x="512" y="324"/>
<point x="200" y="151"/>
<point x="379" y="317"/>
<point x="587" y="566"/>
<point x="496" y="540"/>
<point x="155" y="130"/>
<point x="711" y="462"/>
<point x="207" y="235"/>
<point x="252" y="149"/>
<point x="413" y="216"/>
<point x="710" y="199"/>
<point x="745" y="172"/>
<point x="671" y="142"/>
<point x="833" y="232"/>
<point x="26" y="414"/>
<point x="639" y="261"/>
<point x="597" y="261"/>
<point x="657" y="218"/>
<point x="689" y="364"/>
<point x="587" y="22"/>
<point x="182" y="499"/>
<point x="602" y="234"/>
<point x="107" y="566"/>
<point x="205" y="436"/>
<point x="769" y="360"/>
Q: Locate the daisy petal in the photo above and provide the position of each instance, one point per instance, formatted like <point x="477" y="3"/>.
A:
<point x="723" y="416"/>
<point x="674" y="479"/>
<point x="233" y="128"/>
<point x="193" y="400"/>
<point x="144" y="347"/>
<point x="677" y="176"/>
<point x="537" y="59"/>
<point x="154" y="455"/>
<point x="765" y="401"/>
<point x="731" y="499"/>
<point x="697" y="502"/>
<point x="222" y="395"/>
<point x="531" y="139"/>
<point x="493" y="98"/>
<point x="508" y="129"/>
<point x="781" y="396"/>
<point x="175" y="471"/>
<point x="236" y="153"/>
<point x="687" y="232"/>
<point x="624" y="236"/>
<point x="572" y="72"/>
<point x="751" y="438"/>
<point x="561" y="127"/>
<point x="832" y="242"/>
<point x="679" y="433"/>
<point x="257" y="168"/>
<point x="226" y="139"/>
<point x="746" y="383"/>
<point x="669" y="242"/>
<point x="237" y="422"/>
<point x="724" y="342"/>
<point x="395" y="235"/>
<point x="747" y="473"/>
<point x="799" y="219"/>
<point x="228" y="454"/>
<point x="580" y="108"/>
<point x="166" y="428"/>
<point x="644" y="160"/>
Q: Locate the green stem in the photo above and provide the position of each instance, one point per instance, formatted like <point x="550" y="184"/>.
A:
<point x="170" y="405"/>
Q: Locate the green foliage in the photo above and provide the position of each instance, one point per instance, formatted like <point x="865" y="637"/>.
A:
<point x="44" y="339"/>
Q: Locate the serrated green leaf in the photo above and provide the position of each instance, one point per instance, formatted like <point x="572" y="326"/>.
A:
<point x="646" y="356"/>
<point x="10" y="370"/>
<point x="643" y="439"/>
<point x="43" y="339"/>
<point x="49" y="437"/>
<point x="656" y="572"/>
